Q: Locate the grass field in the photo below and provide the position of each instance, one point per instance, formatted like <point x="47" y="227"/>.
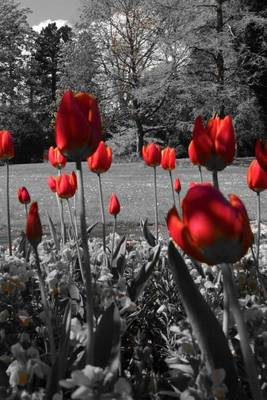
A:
<point x="133" y="184"/>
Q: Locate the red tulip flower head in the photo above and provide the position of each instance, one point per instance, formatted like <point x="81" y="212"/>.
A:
<point x="23" y="195"/>
<point x="151" y="154"/>
<point x="101" y="160"/>
<point x="78" y="125"/>
<point x="114" y="205"/>
<point x="212" y="229"/>
<point x="34" y="228"/>
<point x="6" y="146"/>
<point x="261" y="152"/>
<point x="66" y="185"/>
<point x="168" y="158"/>
<point x="213" y="146"/>
<point x="177" y="185"/>
<point x="56" y="158"/>
<point x="256" y="177"/>
<point x="52" y="183"/>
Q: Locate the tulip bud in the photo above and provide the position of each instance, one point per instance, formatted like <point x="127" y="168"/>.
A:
<point x="52" y="183"/>
<point x="168" y="158"/>
<point x="114" y="205"/>
<point x="6" y="146"/>
<point x="177" y="185"/>
<point x="23" y="195"/>
<point x="261" y="152"/>
<point x="33" y="227"/>
<point x="256" y="177"/>
<point x="66" y="185"/>
<point x="101" y="160"/>
<point x="151" y="154"/>
<point x="56" y="158"/>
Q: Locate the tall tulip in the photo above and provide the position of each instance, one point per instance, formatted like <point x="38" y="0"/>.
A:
<point x="99" y="163"/>
<point x="213" y="145"/>
<point x="152" y="157"/>
<point x="257" y="181"/>
<point x="168" y="162"/>
<point x="177" y="188"/>
<point x="212" y="229"/>
<point x="6" y="153"/>
<point x="114" y="208"/>
<point x="34" y="234"/>
<point x="78" y="125"/>
<point x="56" y="158"/>
<point x="261" y="152"/>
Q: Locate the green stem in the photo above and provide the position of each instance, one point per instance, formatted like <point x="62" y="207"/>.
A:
<point x="226" y="310"/>
<point x="61" y="215"/>
<point x="102" y="212"/>
<point x="259" y="226"/>
<point x="249" y="361"/>
<point x="113" y="237"/>
<point x="156" y="204"/>
<point x="86" y="267"/>
<point x="47" y="310"/>
<point x="75" y="215"/>
<point x="215" y="179"/>
<point x="8" y="210"/>
<point x="26" y="210"/>
<point x="173" y="196"/>
<point x="200" y="173"/>
<point x="76" y="240"/>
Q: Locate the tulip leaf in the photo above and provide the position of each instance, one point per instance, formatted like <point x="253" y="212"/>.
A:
<point x="148" y="235"/>
<point x="206" y="328"/>
<point x="140" y="280"/>
<point x="59" y="368"/>
<point x="117" y="249"/>
<point x="91" y="227"/>
<point x="53" y="231"/>
<point x="107" y="340"/>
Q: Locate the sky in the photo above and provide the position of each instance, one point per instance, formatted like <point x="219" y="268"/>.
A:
<point x="45" y="11"/>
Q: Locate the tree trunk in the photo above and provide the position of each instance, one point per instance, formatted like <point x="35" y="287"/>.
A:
<point x="219" y="57"/>
<point x="139" y="137"/>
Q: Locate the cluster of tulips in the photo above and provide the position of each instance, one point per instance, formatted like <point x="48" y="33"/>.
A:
<point x="206" y="226"/>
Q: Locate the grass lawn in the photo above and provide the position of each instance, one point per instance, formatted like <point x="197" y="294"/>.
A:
<point x="132" y="183"/>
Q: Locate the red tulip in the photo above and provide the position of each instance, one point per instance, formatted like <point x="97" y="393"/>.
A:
<point x="261" y="152"/>
<point x="114" y="205"/>
<point x="213" y="146"/>
<point x="52" y="183"/>
<point x="78" y="125"/>
<point x="256" y="177"/>
<point x="34" y="228"/>
<point x="56" y="158"/>
<point x="66" y="185"/>
<point x="177" y="185"/>
<point x="152" y="154"/>
<point x="212" y="229"/>
<point x="23" y="195"/>
<point x="101" y="160"/>
<point x="168" y="158"/>
<point x="6" y="146"/>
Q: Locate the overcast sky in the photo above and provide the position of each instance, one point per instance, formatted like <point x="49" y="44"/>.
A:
<point x="43" y="10"/>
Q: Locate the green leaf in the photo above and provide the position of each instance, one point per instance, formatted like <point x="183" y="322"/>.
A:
<point x="206" y="328"/>
<point x="150" y="238"/>
<point x="139" y="281"/>
<point x="91" y="227"/>
<point x="53" y="231"/>
<point x="107" y="340"/>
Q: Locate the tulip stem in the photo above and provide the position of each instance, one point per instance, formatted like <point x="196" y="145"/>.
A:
<point x="259" y="226"/>
<point x="76" y="240"/>
<point x="26" y="209"/>
<point x="226" y="310"/>
<point x="47" y="310"/>
<point x="61" y="215"/>
<point x="8" y="209"/>
<point x="113" y="237"/>
<point x="215" y="179"/>
<point x="173" y="196"/>
<point x="102" y="212"/>
<point x="200" y="173"/>
<point x="242" y="330"/>
<point x="86" y="267"/>
<point x="156" y="204"/>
